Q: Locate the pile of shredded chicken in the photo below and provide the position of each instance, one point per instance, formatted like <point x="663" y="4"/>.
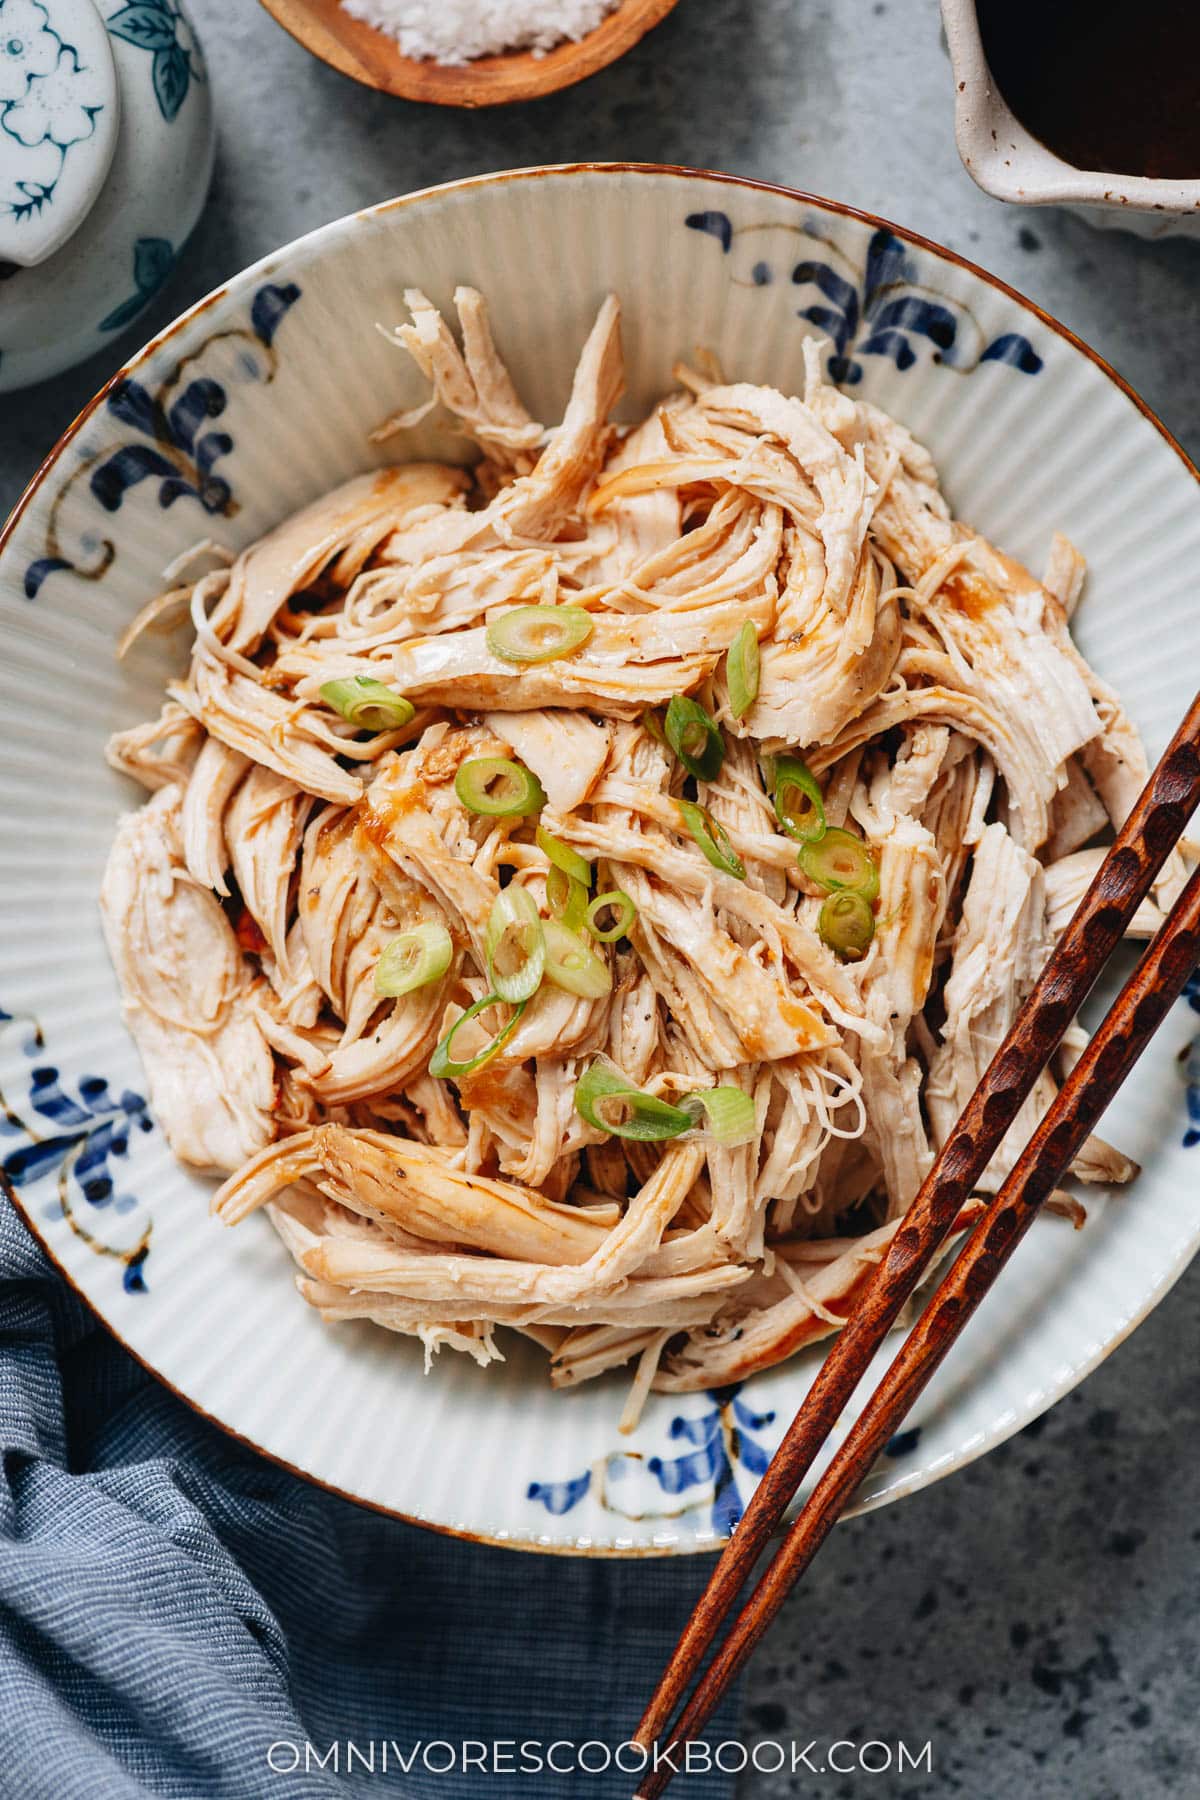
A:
<point x="928" y="681"/>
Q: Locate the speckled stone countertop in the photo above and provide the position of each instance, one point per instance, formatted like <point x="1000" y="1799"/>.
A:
<point x="1036" y="1618"/>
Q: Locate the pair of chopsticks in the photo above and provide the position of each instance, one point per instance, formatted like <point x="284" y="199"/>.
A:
<point x="1122" y="881"/>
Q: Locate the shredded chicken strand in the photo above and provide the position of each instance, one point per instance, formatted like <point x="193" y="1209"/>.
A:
<point x="929" y="682"/>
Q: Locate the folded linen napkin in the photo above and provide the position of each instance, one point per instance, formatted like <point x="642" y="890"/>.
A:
<point x="179" y="1617"/>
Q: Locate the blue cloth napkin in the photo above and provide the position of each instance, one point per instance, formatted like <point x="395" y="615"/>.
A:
<point x="178" y="1617"/>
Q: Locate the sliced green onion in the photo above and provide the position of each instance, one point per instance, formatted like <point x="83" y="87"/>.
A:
<point x="712" y="838"/>
<point x="652" y="724"/>
<point x="847" y="924"/>
<point x="799" y="806"/>
<point x="368" y="704"/>
<point x="563" y="857"/>
<point x="728" y="1113"/>
<point x="515" y="945"/>
<point x="841" y="860"/>
<point x="695" y="738"/>
<point x="567" y="899"/>
<point x="624" y="909"/>
<point x="568" y="881"/>
<point x="571" y="965"/>
<point x="499" y="788"/>
<point x="538" y="634"/>
<point x="638" y="1116"/>
<point x="413" y="960"/>
<point x="441" y="1064"/>
<point x="741" y="671"/>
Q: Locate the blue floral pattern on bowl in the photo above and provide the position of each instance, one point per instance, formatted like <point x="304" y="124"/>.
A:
<point x="1191" y="1067"/>
<point x="724" y="1440"/>
<point x="171" y="444"/>
<point x="721" y="1441"/>
<point x="71" y="1139"/>
<point x="880" y="309"/>
<point x="168" y="443"/>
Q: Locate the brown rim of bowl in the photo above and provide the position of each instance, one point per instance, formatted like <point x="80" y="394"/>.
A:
<point x="373" y="58"/>
<point x="1039" y="1403"/>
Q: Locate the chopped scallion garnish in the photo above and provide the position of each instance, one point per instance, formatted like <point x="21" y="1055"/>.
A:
<point x="609" y="1102"/>
<point x="841" y="860"/>
<point x="652" y="724"/>
<point x="563" y="857"/>
<point x="441" y="1064"/>
<point x="567" y="899"/>
<point x="413" y="960"/>
<point x="712" y="838"/>
<point x="799" y="805"/>
<point x="538" y="634"/>
<point x="728" y="1114"/>
<point x="499" y="788"/>
<point x="624" y="913"/>
<point x="741" y="671"/>
<point x="847" y="924"/>
<point x="515" y="945"/>
<point x="368" y="704"/>
<point x="695" y="738"/>
<point x="571" y="965"/>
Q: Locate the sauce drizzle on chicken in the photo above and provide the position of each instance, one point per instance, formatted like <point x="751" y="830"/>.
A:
<point x="925" y="694"/>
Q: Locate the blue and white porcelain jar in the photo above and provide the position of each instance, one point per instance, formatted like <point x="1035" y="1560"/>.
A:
<point x="106" y="148"/>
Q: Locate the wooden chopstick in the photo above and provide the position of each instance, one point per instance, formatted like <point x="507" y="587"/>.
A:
<point x="1128" y="1027"/>
<point x="1122" y="881"/>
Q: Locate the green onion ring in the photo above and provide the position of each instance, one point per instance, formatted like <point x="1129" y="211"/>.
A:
<point x="799" y="804"/>
<point x="847" y="924"/>
<point x="650" y="1120"/>
<point x="695" y="738"/>
<point x="624" y="908"/>
<point x="538" y="634"/>
<point x="572" y="966"/>
<point x="652" y="724"/>
<point x="728" y="1114"/>
<point x="368" y="704"/>
<point x="499" y="788"/>
<point x="440" y="1064"/>
<point x="741" y="671"/>
<point x="839" y="860"/>
<point x="567" y="899"/>
<point x="712" y="838"/>
<point x="413" y="960"/>
<point x="563" y="857"/>
<point x="514" y="945"/>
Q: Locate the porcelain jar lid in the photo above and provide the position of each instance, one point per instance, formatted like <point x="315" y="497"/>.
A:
<point x="59" y="110"/>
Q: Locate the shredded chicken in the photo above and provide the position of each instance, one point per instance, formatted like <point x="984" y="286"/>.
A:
<point x="446" y="1191"/>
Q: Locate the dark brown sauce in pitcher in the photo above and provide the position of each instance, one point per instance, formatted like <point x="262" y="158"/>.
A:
<point x="1105" y="84"/>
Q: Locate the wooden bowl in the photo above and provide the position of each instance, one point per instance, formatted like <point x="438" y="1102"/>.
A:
<point x="374" y="58"/>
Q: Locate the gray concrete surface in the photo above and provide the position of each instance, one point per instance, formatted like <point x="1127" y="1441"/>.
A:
<point x="1037" y="1618"/>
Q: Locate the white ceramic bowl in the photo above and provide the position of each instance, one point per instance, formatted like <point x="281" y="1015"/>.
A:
<point x="256" y="401"/>
<point x="1010" y="163"/>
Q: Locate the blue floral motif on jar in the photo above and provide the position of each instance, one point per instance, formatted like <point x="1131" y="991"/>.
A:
<point x="73" y="1139"/>
<point x="49" y="103"/>
<point x="721" y="1442"/>
<point x="881" y="309"/>
<point x="153" y="260"/>
<point x="160" y="28"/>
